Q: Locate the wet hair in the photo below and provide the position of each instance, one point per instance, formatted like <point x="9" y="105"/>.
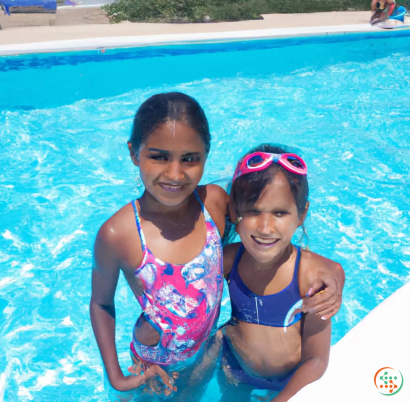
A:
<point x="162" y="108"/>
<point x="247" y="189"/>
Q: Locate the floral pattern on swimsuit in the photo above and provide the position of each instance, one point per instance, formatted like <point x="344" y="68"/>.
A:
<point x="181" y="301"/>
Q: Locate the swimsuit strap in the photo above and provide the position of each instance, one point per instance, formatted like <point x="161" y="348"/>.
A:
<point x="144" y="247"/>
<point x="200" y="201"/>
<point x="140" y="232"/>
<point x="295" y="279"/>
<point x="236" y="262"/>
<point x="207" y="215"/>
<point x="138" y="220"/>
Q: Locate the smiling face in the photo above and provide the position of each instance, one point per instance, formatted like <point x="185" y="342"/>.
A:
<point x="266" y="228"/>
<point x="171" y="162"/>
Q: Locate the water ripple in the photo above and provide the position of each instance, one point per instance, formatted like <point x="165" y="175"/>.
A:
<point x="66" y="169"/>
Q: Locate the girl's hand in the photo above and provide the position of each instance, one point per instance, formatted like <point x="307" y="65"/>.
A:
<point x="144" y="373"/>
<point x="160" y="382"/>
<point x="325" y="294"/>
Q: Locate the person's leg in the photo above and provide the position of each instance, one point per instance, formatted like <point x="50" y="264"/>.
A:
<point x="379" y="16"/>
<point x="194" y="378"/>
<point x="230" y="387"/>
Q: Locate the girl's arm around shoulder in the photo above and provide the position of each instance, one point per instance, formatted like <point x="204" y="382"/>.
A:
<point x="229" y="255"/>
<point x="324" y="275"/>
<point x="315" y="356"/>
<point x="216" y="201"/>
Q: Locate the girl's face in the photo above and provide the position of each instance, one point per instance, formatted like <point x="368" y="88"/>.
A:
<point x="267" y="228"/>
<point x="171" y="162"/>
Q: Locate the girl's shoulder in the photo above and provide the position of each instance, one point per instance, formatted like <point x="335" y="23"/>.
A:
<point x="120" y="235"/>
<point x="214" y="196"/>
<point x="229" y="255"/>
<point x="216" y="201"/>
<point x="309" y="266"/>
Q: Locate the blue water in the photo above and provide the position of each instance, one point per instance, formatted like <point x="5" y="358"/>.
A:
<point x="64" y="122"/>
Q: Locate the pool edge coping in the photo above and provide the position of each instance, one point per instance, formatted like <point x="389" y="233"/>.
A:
<point x="185" y="38"/>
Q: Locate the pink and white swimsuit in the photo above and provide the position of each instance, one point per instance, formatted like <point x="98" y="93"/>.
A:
<point x="181" y="301"/>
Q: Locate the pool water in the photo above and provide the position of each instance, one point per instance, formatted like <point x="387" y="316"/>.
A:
<point x="343" y="101"/>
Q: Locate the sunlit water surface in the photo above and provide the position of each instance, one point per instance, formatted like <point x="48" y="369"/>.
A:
<point x="65" y="169"/>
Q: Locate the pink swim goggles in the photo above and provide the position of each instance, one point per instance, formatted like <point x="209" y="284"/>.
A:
<point x="262" y="160"/>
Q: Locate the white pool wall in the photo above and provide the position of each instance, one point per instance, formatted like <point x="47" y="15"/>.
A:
<point x="381" y="339"/>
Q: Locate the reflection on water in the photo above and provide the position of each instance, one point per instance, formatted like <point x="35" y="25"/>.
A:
<point x="66" y="169"/>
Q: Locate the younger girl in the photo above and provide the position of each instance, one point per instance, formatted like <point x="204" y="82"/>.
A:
<point x="168" y="246"/>
<point x="268" y="344"/>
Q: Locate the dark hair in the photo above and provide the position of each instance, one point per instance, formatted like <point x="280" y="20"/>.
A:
<point x="171" y="106"/>
<point x="247" y="189"/>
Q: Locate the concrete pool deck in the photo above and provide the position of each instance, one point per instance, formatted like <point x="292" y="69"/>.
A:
<point x="81" y="23"/>
<point x="63" y="38"/>
<point x="284" y="24"/>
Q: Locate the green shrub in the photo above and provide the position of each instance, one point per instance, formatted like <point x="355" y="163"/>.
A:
<point x="154" y="10"/>
<point x="217" y="10"/>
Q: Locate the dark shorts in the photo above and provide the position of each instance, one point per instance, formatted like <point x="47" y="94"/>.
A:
<point x="229" y="359"/>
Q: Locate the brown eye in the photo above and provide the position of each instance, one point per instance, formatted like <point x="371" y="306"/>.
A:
<point x="281" y="213"/>
<point x="159" y="157"/>
<point x="191" y="159"/>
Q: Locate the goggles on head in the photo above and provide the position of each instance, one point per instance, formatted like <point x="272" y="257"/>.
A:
<point x="262" y="160"/>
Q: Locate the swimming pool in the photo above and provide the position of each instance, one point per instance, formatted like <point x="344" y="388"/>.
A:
<point x="65" y="118"/>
